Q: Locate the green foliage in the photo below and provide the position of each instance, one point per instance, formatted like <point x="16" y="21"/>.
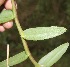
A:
<point x="6" y="15"/>
<point x="52" y="57"/>
<point x="41" y="33"/>
<point x="18" y="58"/>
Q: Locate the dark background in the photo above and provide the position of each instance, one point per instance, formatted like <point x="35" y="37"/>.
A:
<point x="39" y="13"/>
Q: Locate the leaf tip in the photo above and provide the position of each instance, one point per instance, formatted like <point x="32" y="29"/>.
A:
<point x="66" y="44"/>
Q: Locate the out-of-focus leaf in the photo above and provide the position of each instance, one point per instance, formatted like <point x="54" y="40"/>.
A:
<point x="41" y="33"/>
<point x="18" y="58"/>
<point x="52" y="57"/>
<point x="6" y="15"/>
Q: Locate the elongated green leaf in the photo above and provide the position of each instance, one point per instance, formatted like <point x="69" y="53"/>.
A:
<point x="6" y="15"/>
<point x="15" y="59"/>
<point x="41" y="33"/>
<point x="52" y="57"/>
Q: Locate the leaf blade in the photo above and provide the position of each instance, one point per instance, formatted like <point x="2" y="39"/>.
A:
<point x="41" y="33"/>
<point x="6" y="15"/>
<point x="52" y="57"/>
<point x="18" y="58"/>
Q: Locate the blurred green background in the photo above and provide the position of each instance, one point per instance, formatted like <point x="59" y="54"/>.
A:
<point x="39" y="13"/>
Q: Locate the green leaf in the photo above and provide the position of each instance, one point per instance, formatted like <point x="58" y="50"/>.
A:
<point x="41" y="33"/>
<point x="6" y="15"/>
<point x="18" y="58"/>
<point x="52" y="57"/>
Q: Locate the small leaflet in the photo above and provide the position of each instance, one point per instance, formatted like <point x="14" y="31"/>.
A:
<point x="53" y="56"/>
<point x="18" y="58"/>
<point x="41" y="33"/>
<point x="6" y="15"/>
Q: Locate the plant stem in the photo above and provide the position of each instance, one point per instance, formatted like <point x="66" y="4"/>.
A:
<point x="16" y="18"/>
<point x="20" y="32"/>
<point x="28" y="53"/>
<point x="7" y="55"/>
